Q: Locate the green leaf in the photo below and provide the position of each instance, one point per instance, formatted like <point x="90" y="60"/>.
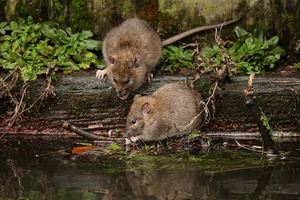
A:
<point x="62" y="37"/>
<point x="84" y="65"/>
<point x="259" y="33"/>
<point x="60" y="50"/>
<point x="14" y="26"/>
<point x="69" y="31"/>
<point x="71" y="64"/>
<point x="30" y="20"/>
<point x="90" y="56"/>
<point x="10" y="65"/>
<point x="50" y="33"/>
<point x="5" y="46"/>
<point x="277" y="50"/>
<point x="78" y="58"/>
<point x="16" y="44"/>
<point x="240" y="32"/>
<point x="71" y="51"/>
<point x="3" y="24"/>
<point x="22" y="23"/>
<point x="85" y="35"/>
<point x="272" y="42"/>
<point x="271" y="59"/>
<point x="91" y="44"/>
<point x="2" y="27"/>
<point x="209" y="52"/>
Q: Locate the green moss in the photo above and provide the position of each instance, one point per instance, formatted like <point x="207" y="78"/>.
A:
<point x="81" y="17"/>
<point x="128" y="9"/>
<point x="24" y="11"/>
<point x="277" y="5"/>
<point x="58" y="12"/>
<point x="265" y="121"/>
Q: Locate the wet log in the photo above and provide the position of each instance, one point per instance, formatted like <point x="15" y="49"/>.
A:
<point x="90" y="104"/>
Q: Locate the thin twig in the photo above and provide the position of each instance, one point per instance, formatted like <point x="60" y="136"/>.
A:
<point x="205" y="107"/>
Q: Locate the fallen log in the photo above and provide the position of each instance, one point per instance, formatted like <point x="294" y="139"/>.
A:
<point x="87" y="102"/>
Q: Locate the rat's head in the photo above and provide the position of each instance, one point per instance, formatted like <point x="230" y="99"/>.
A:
<point x="137" y="117"/>
<point x="123" y="74"/>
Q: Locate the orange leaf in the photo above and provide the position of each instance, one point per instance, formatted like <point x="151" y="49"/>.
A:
<point x="81" y="150"/>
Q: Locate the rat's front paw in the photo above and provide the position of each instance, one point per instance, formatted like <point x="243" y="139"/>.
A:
<point x="101" y="73"/>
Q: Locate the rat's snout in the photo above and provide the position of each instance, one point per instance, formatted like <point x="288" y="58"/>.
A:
<point x="123" y="94"/>
<point x="131" y="136"/>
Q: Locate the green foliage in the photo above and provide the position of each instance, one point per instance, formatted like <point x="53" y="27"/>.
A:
<point x="42" y="48"/>
<point x="176" y="57"/>
<point x="81" y="17"/>
<point x="250" y="52"/>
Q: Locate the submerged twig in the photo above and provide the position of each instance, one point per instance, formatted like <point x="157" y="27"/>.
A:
<point x="251" y="149"/>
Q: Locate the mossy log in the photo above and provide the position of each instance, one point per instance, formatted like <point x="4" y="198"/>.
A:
<point x="90" y="103"/>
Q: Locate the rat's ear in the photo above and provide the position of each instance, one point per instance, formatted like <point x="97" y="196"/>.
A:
<point x="136" y="97"/>
<point x="145" y="108"/>
<point x="132" y="62"/>
<point x="112" y="59"/>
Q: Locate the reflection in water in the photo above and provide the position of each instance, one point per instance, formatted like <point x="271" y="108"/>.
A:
<point x="23" y="176"/>
<point x="244" y="184"/>
<point x="92" y="182"/>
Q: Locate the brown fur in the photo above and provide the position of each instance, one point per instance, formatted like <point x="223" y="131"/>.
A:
<point x="131" y="50"/>
<point x="165" y="113"/>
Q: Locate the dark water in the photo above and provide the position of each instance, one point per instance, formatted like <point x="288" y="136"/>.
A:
<point x="218" y="173"/>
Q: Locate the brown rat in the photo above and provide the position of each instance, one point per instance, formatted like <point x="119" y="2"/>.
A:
<point x="132" y="49"/>
<point x="172" y="110"/>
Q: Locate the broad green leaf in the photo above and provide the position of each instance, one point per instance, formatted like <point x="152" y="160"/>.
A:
<point x="259" y="33"/>
<point x="69" y="31"/>
<point x="209" y="52"/>
<point x="90" y="55"/>
<point x="78" y="58"/>
<point x="240" y="32"/>
<point x="91" y="44"/>
<point x="5" y="46"/>
<point x="3" y="24"/>
<point x="85" y="35"/>
<point x="60" y="50"/>
<point x="30" y="20"/>
<point x="14" y="26"/>
<point x="61" y="58"/>
<point x="50" y="33"/>
<point x="277" y="50"/>
<point x="71" y="51"/>
<point x="71" y="64"/>
<point x="84" y="65"/>
<point x="16" y="44"/>
<point x="7" y="37"/>
<point x="22" y="23"/>
<point x="272" y="42"/>
<point x="10" y="65"/>
<point x="271" y="58"/>
<point x="62" y="37"/>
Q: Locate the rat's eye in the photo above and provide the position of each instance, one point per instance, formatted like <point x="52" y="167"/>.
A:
<point x="133" y="121"/>
<point x="115" y="80"/>
<point x="126" y="81"/>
